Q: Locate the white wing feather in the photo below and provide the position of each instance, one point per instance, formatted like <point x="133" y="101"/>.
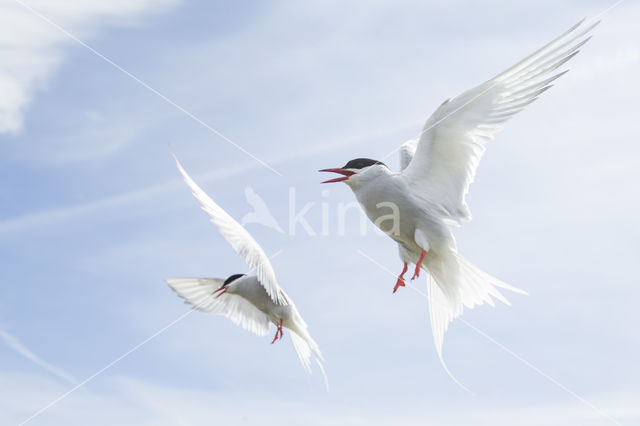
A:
<point x="199" y="293"/>
<point x="241" y="241"/>
<point x="407" y="151"/>
<point x="454" y="137"/>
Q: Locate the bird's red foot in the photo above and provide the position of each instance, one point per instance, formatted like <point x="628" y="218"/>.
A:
<point x="416" y="273"/>
<point x="278" y="331"/>
<point x="400" y="282"/>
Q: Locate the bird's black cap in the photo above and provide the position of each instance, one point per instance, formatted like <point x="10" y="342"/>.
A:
<point x="232" y="278"/>
<point x="361" y="163"/>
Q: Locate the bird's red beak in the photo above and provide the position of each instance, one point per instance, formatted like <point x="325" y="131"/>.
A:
<point x="345" y="174"/>
<point x="219" y="292"/>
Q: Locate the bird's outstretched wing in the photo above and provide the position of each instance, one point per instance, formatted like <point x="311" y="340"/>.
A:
<point x="241" y="241"/>
<point x="454" y="137"/>
<point x="199" y="293"/>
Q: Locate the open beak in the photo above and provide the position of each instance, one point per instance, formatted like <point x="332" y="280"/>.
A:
<point x="219" y="292"/>
<point x="345" y="174"/>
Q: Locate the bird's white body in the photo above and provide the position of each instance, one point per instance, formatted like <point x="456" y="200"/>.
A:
<point x="416" y="225"/>
<point x="388" y="202"/>
<point x="249" y="288"/>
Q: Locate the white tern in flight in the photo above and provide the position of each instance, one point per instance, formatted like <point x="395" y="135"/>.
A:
<point x="416" y="206"/>
<point x="250" y="301"/>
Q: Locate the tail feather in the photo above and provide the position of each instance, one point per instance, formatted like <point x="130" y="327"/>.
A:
<point x="440" y="315"/>
<point x="306" y="348"/>
<point x="454" y="284"/>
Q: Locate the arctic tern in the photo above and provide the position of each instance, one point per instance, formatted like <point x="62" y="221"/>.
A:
<point x="416" y="206"/>
<point x="250" y="301"/>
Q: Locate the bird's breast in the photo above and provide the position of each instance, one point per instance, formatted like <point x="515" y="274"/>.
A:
<point x="388" y="203"/>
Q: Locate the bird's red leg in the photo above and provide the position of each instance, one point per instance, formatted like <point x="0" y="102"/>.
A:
<point x="400" y="282"/>
<point x="278" y="330"/>
<point x="416" y="273"/>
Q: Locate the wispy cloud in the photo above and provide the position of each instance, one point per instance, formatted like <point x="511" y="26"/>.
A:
<point x="18" y="347"/>
<point x="56" y="216"/>
<point x="47" y="218"/>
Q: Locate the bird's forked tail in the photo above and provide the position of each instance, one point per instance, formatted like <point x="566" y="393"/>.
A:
<point x="456" y="283"/>
<point x="306" y="348"/>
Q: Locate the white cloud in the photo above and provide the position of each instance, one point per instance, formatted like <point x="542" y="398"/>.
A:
<point x="31" y="49"/>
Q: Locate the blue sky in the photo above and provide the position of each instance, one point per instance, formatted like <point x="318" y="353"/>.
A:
<point x="94" y="214"/>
